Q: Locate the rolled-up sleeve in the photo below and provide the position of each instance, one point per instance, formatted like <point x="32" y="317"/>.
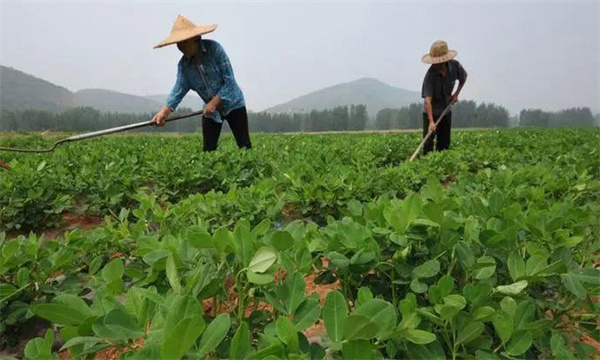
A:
<point x="427" y="90"/>
<point x="180" y="89"/>
<point x="461" y="73"/>
<point x="227" y="90"/>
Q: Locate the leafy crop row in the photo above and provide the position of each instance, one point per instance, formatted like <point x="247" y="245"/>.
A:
<point x="483" y="252"/>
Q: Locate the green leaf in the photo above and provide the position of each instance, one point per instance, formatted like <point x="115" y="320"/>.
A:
<point x="427" y="269"/>
<point x="445" y="284"/>
<point x="409" y="321"/>
<point x="364" y="294"/>
<point x="432" y="351"/>
<point x="524" y="314"/>
<point x="335" y="312"/>
<point x="465" y="255"/>
<point x="418" y="287"/>
<point x="199" y="238"/>
<point x="357" y="350"/>
<point x="286" y="332"/>
<point x="338" y="260"/>
<point x="307" y="314"/>
<point x="398" y="239"/>
<point x="40" y="349"/>
<point x="557" y="343"/>
<point x="382" y="313"/>
<point x="519" y="344"/>
<point x="22" y="277"/>
<point x="155" y="256"/>
<point x="535" y="264"/>
<point x="41" y="166"/>
<point x="419" y="337"/>
<point x="282" y="240"/>
<point x="455" y="300"/>
<point x="214" y="334"/>
<point x="508" y="305"/>
<point x="470" y="332"/>
<point x="411" y="207"/>
<point x="359" y="327"/>
<point x="512" y="289"/>
<point x="483" y="313"/>
<point x="178" y="341"/>
<point x="260" y="279"/>
<point x="485" y="355"/>
<point x="88" y="340"/>
<point x="118" y="325"/>
<point x="262" y="260"/>
<point x="503" y="324"/>
<point x="241" y="343"/>
<point x="293" y="292"/>
<point x="113" y="271"/>
<point x="64" y="310"/>
<point x="408" y="305"/>
<point x="95" y="264"/>
<point x="573" y="284"/>
<point x="587" y="275"/>
<point x="172" y="274"/>
<point x="516" y="266"/>
<point x="486" y="266"/>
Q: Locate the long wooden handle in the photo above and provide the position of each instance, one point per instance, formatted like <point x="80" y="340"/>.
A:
<point x="414" y="155"/>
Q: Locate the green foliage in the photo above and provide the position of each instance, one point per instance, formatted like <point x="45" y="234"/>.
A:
<point x="477" y="252"/>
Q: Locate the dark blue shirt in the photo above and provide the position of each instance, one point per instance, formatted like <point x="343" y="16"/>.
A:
<point x="440" y="88"/>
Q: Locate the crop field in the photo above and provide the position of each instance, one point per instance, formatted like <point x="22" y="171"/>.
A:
<point x="329" y="246"/>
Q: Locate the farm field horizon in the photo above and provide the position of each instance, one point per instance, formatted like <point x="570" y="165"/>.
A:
<point x="307" y="246"/>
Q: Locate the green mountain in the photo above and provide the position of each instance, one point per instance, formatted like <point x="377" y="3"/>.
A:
<point x="113" y="101"/>
<point x="373" y="93"/>
<point x="20" y="91"/>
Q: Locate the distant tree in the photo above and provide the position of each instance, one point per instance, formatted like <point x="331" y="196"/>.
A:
<point x="358" y="118"/>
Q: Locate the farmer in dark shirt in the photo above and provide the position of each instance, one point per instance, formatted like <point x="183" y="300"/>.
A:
<point x="437" y="92"/>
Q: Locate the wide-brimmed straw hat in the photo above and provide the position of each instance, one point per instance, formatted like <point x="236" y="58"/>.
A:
<point x="439" y="53"/>
<point x="184" y="29"/>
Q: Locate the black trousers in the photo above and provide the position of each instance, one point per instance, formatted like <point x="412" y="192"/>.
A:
<point x="441" y="135"/>
<point x="238" y="122"/>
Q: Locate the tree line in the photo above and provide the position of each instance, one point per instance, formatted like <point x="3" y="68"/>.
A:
<point x="465" y="114"/>
<point x="578" y="116"/>
<point x="341" y="118"/>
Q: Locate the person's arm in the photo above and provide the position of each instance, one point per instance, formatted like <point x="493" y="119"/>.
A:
<point x="462" y="79"/>
<point x="180" y="89"/>
<point x="226" y="90"/>
<point x="429" y="111"/>
<point x="427" y="94"/>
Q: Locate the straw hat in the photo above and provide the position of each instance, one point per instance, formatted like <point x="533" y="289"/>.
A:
<point x="184" y="29"/>
<point x="438" y="53"/>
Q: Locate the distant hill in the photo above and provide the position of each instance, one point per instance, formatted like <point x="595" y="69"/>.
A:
<point x="373" y="93"/>
<point x="20" y="91"/>
<point x="113" y="101"/>
<point x="191" y="100"/>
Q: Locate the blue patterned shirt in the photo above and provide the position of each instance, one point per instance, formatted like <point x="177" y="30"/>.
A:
<point x="209" y="76"/>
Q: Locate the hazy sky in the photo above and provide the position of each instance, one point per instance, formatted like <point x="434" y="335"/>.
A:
<point x="522" y="54"/>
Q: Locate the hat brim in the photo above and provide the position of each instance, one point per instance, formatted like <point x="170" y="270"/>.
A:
<point x="184" y="35"/>
<point x="428" y="59"/>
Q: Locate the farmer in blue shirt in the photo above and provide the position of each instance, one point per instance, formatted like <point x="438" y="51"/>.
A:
<point x="438" y="86"/>
<point x="205" y="68"/>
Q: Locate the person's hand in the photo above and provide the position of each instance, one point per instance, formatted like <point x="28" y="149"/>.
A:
<point x="432" y="127"/>
<point x="454" y="99"/>
<point x="210" y="108"/>
<point x="161" y="117"/>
